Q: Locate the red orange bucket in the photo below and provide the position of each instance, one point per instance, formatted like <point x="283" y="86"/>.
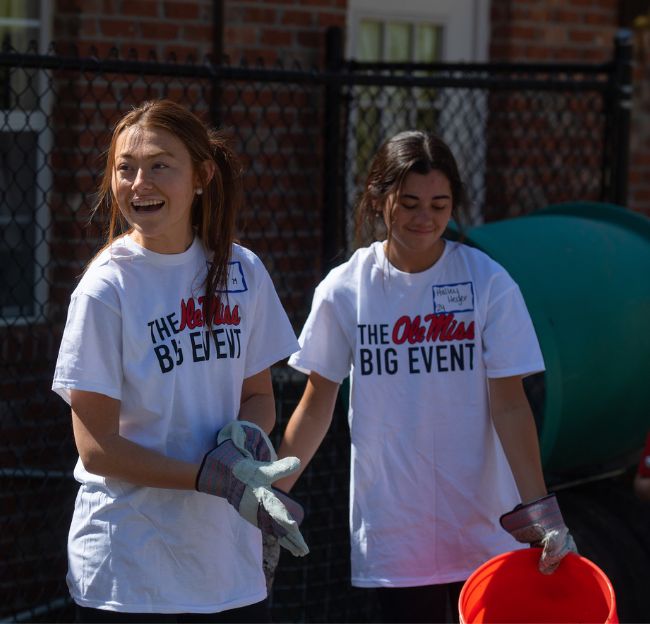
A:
<point x="509" y="588"/>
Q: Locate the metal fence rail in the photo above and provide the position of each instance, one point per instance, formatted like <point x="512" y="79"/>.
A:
<point x="524" y="137"/>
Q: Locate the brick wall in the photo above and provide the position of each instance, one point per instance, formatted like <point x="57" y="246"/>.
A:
<point x="283" y="213"/>
<point x="183" y="27"/>
<point x="553" y="30"/>
<point x="579" y="31"/>
<point x="280" y="30"/>
<point x="542" y="31"/>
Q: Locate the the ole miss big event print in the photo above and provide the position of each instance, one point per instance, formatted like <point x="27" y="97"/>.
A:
<point x="183" y="335"/>
<point x="441" y="340"/>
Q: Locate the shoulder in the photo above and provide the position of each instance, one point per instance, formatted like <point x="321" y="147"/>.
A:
<point x="246" y="257"/>
<point x="247" y="272"/>
<point x="348" y="275"/>
<point x="103" y="277"/>
<point x="473" y="256"/>
<point x="248" y="263"/>
<point x="482" y="267"/>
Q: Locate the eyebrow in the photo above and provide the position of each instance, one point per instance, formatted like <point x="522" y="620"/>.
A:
<point x="410" y="196"/>
<point x="149" y="156"/>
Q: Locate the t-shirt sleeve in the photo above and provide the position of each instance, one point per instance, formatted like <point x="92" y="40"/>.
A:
<point x="272" y="337"/>
<point x="90" y="355"/>
<point x="324" y="346"/>
<point x="510" y="345"/>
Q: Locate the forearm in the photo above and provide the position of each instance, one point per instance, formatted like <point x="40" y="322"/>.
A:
<point x="103" y="451"/>
<point x="259" y="409"/>
<point x="515" y="426"/>
<point x="518" y="435"/>
<point x="118" y="458"/>
<point x="308" y="425"/>
<point x="257" y="401"/>
<point x="303" y="436"/>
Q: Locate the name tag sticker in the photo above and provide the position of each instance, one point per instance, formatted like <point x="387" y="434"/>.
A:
<point x="236" y="281"/>
<point x="453" y="297"/>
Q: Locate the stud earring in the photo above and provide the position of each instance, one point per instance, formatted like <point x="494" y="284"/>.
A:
<point x="199" y="191"/>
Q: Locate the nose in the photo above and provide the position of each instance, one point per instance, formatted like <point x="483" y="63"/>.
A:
<point x="141" y="179"/>
<point x="423" y="213"/>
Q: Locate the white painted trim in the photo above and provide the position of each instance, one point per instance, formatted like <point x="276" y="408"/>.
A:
<point x="465" y="23"/>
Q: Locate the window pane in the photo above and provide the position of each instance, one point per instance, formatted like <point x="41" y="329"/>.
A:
<point x="398" y="48"/>
<point x="17" y="36"/>
<point x="17" y="269"/>
<point x="17" y="207"/>
<point x="20" y="87"/>
<point x="20" y="9"/>
<point x="369" y="41"/>
<point x="428" y="43"/>
<point x="17" y="174"/>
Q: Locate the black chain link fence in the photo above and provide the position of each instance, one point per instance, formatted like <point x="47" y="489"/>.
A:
<point x="524" y="137"/>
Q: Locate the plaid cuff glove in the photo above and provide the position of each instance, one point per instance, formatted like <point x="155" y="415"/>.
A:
<point x="540" y="523"/>
<point x="231" y="472"/>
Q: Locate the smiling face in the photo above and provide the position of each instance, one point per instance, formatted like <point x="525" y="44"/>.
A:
<point x="416" y="217"/>
<point x="155" y="184"/>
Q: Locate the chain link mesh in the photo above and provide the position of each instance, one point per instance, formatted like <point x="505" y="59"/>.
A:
<point x="520" y="145"/>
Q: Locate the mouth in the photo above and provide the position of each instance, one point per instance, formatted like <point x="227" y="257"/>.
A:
<point x="149" y="205"/>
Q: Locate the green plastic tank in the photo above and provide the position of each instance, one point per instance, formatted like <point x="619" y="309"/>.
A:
<point x="584" y="271"/>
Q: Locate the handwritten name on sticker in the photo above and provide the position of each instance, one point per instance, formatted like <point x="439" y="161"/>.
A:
<point x="453" y="297"/>
<point x="236" y="281"/>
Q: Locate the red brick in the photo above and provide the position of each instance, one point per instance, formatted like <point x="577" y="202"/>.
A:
<point x="240" y="35"/>
<point x="259" y="15"/>
<point x="88" y="27"/>
<point x="298" y="18"/>
<point x="118" y="28"/>
<point x="197" y="32"/>
<point x="526" y="33"/>
<point x="582" y="36"/>
<point x="317" y="3"/>
<point x="566" y="15"/>
<point x="310" y="38"/>
<point x="159" y="30"/>
<point x="181" y="10"/>
<point x="276" y="37"/>
<point x="331" y="19"/>
<point x="141" y="8"/>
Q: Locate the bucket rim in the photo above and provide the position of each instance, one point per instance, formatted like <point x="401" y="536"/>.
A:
<point x="536" y="551"/>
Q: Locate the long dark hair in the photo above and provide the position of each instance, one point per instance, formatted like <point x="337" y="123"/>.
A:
<point x="214" y="212"/>
<point x="406" y="152"/>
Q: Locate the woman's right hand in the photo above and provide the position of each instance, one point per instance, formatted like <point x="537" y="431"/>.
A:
<point x="231" y="471"/>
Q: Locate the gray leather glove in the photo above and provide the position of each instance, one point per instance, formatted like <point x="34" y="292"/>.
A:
<point x="540" y="523"/>
<point x="270" y="558"/>
<point x="230" y="471"/>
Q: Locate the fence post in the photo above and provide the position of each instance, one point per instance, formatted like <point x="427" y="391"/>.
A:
<point x="620" y="110"/>
<point x="333" y="217"/>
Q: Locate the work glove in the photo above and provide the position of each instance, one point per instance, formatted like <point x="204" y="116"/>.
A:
<point x="231" y="471"/>
<point x="540" y="523"/>
<point x="258" y="443"/>
<point x="270" y="541"/>
<point x="270" y="558"/>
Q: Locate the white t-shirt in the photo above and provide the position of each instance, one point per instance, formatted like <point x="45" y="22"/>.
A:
<point x="135" y="332"/>
<point x="429" y="478"/>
